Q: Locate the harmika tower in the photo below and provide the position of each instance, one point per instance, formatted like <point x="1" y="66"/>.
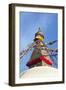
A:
<point x="40" y="55"/>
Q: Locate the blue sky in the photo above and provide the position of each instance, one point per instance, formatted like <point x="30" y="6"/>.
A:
<point x="29" y="24"/>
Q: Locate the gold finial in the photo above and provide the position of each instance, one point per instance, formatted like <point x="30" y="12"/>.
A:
<point x="39" y="35"/>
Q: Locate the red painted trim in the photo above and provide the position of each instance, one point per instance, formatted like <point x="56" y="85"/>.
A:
<point x="46" y="60"/>
<point x="34" y="61"/>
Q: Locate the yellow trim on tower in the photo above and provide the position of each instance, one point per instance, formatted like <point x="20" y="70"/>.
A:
<point x="39" y="37"/>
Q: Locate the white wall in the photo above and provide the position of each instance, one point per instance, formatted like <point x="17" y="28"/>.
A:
<point x="4" y="45"/>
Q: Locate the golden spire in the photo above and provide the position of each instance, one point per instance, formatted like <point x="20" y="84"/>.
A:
<point x="39" y="35"/>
